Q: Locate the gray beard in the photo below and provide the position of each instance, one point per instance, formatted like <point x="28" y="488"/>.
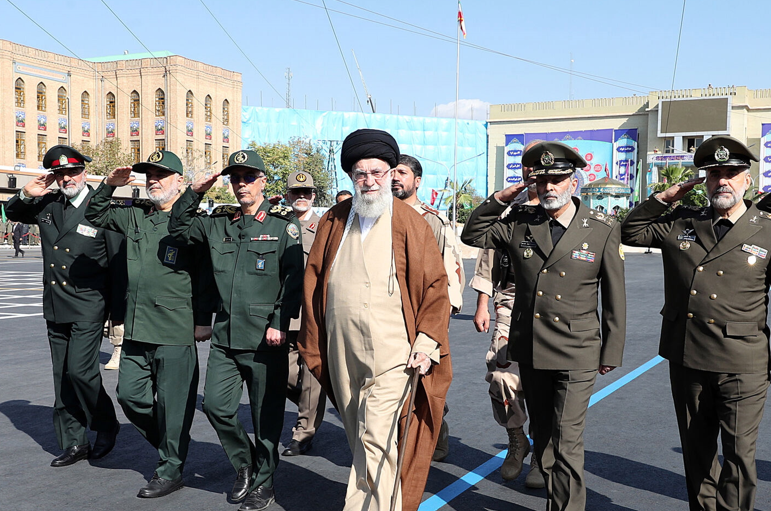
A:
<point x="552" y="205"/>
<point x="72" y="192"/>
<point x="725" y="203"/>
<point x="372" y="207"/>
<point x="301" y="209"/>
<point x="161" y="198"/>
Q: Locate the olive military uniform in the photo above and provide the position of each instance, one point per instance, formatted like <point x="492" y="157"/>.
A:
<point x="79" y="290"/>
<point x="714" y="334"/>
<point x="167" y="297"/>
<point x="258" y="269"/>
<point x="556" y="335"/>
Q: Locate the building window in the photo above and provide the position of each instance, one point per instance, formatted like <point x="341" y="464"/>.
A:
<point x="207" y="154"/>
<point x="225" y="156"/>
<point x="19" y="93"/>
<point x="160" y="144"/>
<point x="110" y="105"/>
<point x="85" y="105"/>
<point x="42" y="147"/>
<point x="135" y="152"/>
<point x="134" y="105"/>
<point x="189" y="105"/>
<point x="207" y="109"/>
<point x="226" y="113"/>
<point x="61" y="100"/>
<point x="189" y="150"/>
<point x="86" y="146"/>
<point x="21" y="145"/>
<point x="160" y="103"/>
<point x="62" y="141"/>
<point x="41" y="97"/>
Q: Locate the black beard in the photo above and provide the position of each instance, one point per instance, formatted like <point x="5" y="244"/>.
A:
<point x="402" y="194"/>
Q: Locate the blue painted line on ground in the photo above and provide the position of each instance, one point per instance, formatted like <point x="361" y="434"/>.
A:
<point x="444" y="496"/>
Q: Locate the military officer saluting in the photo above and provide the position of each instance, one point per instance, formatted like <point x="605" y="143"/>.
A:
<point x="79" y="290"/>
<point x="714" y="331"/>
<point x="303" y="389"/>
<point x="258" y="267"/>
<point x="561" y="254"/>
<point x="168" y="309"/>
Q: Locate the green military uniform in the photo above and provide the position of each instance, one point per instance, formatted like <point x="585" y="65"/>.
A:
<point x="556" y="335"/>
<point x="714" y="330"/>
<point x="167" y="297"/>
<point x="258" y="269"/>
<point x="79" y="291"/>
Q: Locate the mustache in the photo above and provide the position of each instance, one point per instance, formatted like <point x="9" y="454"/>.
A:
<point x="551" y="195"/>
<point x="723" y="189"/>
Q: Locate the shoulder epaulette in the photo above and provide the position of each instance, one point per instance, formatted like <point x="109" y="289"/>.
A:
<point x="522" y="208"/>
<point x="201" y="212"/>
<point x="429" y="209"/>
<point x="224" y="210"/>
<point x="120" y="202"/>
<point x="601" y="217"/>
<point x="764" y="214"/>
<point x="692" y="211"/>
<point x="280" y="211"/>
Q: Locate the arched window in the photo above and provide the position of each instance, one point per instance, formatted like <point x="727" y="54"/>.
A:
<point x="134" y="105"/>
<point x="19" y="89"/>
<point x="189" y="105"/>
<point x="207" y="109"/>
<point x="226" y="113"/>
<point x="61" y="100"/>
<point x="85" y="105"/>
<point x="110" y="105"/>
<point x="41" y="97"/>
<point x="160" y="103"/>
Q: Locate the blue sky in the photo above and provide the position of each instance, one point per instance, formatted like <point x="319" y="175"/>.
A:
<point x="633" y="42"/>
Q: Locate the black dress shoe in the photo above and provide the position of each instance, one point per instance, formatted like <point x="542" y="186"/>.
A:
<point x="72" y="455"/>
<point x="159" y="487"/>
<point x="258" y="499"/>
<point x="242" y="484"/>
<point x="296" y="448"/>
<point x="105" y="441"/>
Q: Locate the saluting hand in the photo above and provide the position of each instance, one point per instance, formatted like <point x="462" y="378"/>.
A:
<point x="676" y="192"/>
<point x="202" y="333"/>
<point x="202" y="185"/>
<point x="39" y="186"/>
<point x="119" y="177"/>
<point x="511" y="193"/>
<point x="275" y="337"/>
<point x="419" y="361"/>
<point x="276" y="199"/>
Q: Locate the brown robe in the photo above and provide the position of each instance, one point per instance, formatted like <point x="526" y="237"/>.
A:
<point x="423" y="283"/>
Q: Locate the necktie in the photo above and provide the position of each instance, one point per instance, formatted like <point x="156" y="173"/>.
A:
<point x="721" y="227"/>
<point x="557" y="230"/>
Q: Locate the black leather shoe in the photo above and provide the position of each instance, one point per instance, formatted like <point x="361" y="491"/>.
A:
<point x="72" y="455"/>
<point x="105" y="441"/>
<point x="159" y="487"/>
<point x="242" y="484"/>
<point x="258" y="499"/>
<point x="296" y="448"/>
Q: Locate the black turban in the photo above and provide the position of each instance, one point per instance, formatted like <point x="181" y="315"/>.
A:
<point x="367" y="143"/>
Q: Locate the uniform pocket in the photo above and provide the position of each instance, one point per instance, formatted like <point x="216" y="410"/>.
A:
<point x="171" y="302"/>
<point x="583" y="325"/>
<point x="741" y="329"/>
<point x="262" y="310"/>
<point x="263" y="257"/>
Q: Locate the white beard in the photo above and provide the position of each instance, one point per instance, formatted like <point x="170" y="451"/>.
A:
<point x="725" y="202"/>
<point x="561" y="200"/>
<point x="301" y="206"/>
<point x="159" y="198"/>
<point x="71" y="192"/>
<point x="369" y="206"/>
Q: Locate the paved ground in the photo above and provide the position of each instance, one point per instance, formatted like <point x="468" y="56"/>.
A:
<point x="632" y="450"/>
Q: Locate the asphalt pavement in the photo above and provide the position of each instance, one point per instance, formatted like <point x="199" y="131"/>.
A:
<point x="633" y="459"/>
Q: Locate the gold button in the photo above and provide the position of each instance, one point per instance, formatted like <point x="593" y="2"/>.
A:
<point x="562" y="274"/>
<point x="53" y="282"/>
<point x="693" y="292"/>
<point x="544" y="271"/>
<point x="556" y="320"/>
<point x="700" y="268"/>
<point x="64" y="267"/>
<point x="66" y="249"/>
<point x="52" y="265"/>
<point x="713" y="296"/>
<point x="720" y="273"/>
<point x="711" y="321"/>
<point x="64" y="283"/>
<point x="558" y="297"/>
<point x="56" y="248"/>
<point x="690" y="315"/>
<point x="537" y="316"/>
<point x="540" y="293"/>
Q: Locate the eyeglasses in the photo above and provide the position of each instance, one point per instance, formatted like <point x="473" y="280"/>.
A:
<point x="247" y="178"/>
<point x="360" y="175"/>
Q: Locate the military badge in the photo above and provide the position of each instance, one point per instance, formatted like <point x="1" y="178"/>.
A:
<point x="722" y="154"/>
<point x="621" y="252"/>
<point x="87" y="231"/>
<point x="583" y="255"/>
<point x="528" y="243"/>
<point x="547" y="159"/>
<point x="685" y="245"/>
<point x="240" y="157"/>
<point x="584" y="246"/>
<point x="46" y="219"/>
<point x="528" y="253"/>
<point x="260" y="216"/>
<point x="755" y="250"/>
<point x="260" y="264"/>
<point x="281" y="210"/>
<point x="155" y="157"/>
<point x="227" y="239"/>
<point x="301" y="178"/>
<point x="293" y="231"/>
<point x="687" y="235"/>
<point x="63" y="160"/>
<point x="171" y="255"/>
<point x="754" y="219"/>
<point x="584" y="222"/>
<point x="265" y="237"/>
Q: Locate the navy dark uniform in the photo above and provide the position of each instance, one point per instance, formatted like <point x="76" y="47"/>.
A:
<point x="79" y="291"/>
<point x="258" y="269"/>
<point x="557" y="336"/>
<point x="714" y="331"/>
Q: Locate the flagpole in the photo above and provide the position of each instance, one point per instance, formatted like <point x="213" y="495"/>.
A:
<point x="455" y="148"/>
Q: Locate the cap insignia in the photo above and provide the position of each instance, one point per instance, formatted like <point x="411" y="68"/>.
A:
<point x="240" y="157"/>
<point x="722" y="154"/>
<point x="63" y="160"/>
<point x="155" y="157"/>
<point x="547" y="159"/>
<point x="301" y="177"/>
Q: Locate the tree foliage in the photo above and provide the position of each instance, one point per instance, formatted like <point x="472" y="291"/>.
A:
<point x="106" y="156"/>
<point x="466" y="199"/>
<point x="299" y="154"/>
<point x="220" y="195"/>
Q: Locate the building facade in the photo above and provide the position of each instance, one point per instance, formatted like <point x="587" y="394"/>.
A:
<point x="148" y="102"/>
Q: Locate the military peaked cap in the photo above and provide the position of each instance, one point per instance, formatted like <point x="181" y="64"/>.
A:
<point x="164" y="160"/>
<point x="300" y="179"/>
<point x="246" y="159"/>
<point x="64" y="157"/>
<point x="722" y="151"/>
<point x="552" y="159"/>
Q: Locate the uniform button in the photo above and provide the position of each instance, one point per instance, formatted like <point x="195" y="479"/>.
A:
<point x="713" y="296"/>
<point x="556" y="320"/>
<point x="52" y="265"/>
<point x="366" y="285"/>
<point x="720" y="273"/>
<point x="66" y="249"/>
<point x="544" y="271"/>
<point x="711" y="321"/>
<point x="540" y="293"/>
<point x="700" y="268"/>
<point x="558" y="297"/>
<point x="53" y="282"/>
<point x="537" y="316"/>
<point x="690" y="315"/>
<point x="366" y="306"/>
<point x="56" y="248"/>
<point x="562" y="274"/>
<point x="64" y="267"/>
<point x="64" y="283"/>
<point x="693" y="292"/>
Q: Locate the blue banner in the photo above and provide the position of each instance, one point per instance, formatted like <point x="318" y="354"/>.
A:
<point x="512" y="173"/>
<point x="764" y="184"/>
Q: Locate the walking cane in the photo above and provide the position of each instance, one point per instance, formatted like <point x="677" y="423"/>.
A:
<point x="394" y="495"/>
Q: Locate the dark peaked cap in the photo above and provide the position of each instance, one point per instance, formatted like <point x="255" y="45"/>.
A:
<point x="723" y="151"/>
<point x="368" y="143"/>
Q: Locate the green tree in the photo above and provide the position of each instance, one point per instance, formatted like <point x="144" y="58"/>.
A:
<point x="466" y="199"/>
<point x="220" y="195"/>
<point x="106" y="156"/>
<point x="299" y="154"/>
<point x="671" y="176"/>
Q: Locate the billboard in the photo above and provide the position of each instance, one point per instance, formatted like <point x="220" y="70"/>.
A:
<point x="512" y="170"/>
<point x="694" y="116"/>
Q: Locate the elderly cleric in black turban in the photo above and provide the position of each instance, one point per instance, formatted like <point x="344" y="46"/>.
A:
<point x="368" y="143"/>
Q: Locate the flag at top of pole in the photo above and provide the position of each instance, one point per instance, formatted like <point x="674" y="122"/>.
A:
<point x="461" y="21"/>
